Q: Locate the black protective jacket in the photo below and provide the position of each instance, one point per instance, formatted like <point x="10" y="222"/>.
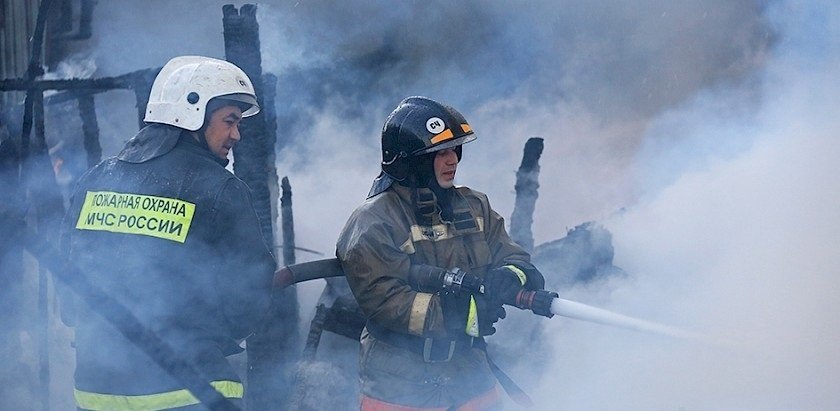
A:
<point x="165" y="230"/>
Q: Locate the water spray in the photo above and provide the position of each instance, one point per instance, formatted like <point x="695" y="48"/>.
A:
<point x="579" y="311"/>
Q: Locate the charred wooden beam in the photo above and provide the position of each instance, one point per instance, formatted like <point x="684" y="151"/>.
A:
<point x="90" y="129"/>
<point x="75" y="87"/>
<point x="139" y="81"/>
<point x="242" y="47"/>
<point x="40" y="178"/>
<point x="272" y="349"/>
<point x="526" y="187"/>
<point x="65" y="19"/>
<point x="104" y="84"/>
<point x="85" y="22"/>
<point x="34" y="111"/>
<point x="270" y="112"/>
<point x="288" y="223"/>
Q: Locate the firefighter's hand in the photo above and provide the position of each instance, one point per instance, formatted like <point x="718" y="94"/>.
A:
<point x="489" y="312"/>
<point x="501" y="284"/>
<point x="535" y="279"/>
<point x="471" y="315"/>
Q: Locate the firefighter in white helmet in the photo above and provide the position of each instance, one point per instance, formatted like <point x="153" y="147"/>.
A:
<point x="167" y="231"/>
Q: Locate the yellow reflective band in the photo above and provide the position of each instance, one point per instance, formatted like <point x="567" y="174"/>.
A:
<point x="161" y="217"/>
<point x="151" y="402"/>
<point x="472" y="319"/>
<point x="419" y="308"/>
<point x="519" y="273"/>
<point x="408" y="247"/>
<point x="466" y="128"/>
<point x="437" y="232"/>
<point x="444" y="135"/>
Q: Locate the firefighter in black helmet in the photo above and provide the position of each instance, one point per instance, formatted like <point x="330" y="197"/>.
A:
<point x="423" y="349"/>
<point x="418" y="126"/>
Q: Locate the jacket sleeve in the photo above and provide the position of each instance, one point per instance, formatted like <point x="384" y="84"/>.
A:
<point x="377" y="271"/>
<point x="247" y="264"/>
<point x="505" y="251"/>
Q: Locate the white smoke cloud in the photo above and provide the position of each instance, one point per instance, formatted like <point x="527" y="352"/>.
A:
<point x="737" y="242"/>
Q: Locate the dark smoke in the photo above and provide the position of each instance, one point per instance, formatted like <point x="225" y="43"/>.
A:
<point x="620" y="62"/>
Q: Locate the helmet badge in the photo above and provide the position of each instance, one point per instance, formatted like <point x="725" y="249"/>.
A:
<point x="435" y="125"/>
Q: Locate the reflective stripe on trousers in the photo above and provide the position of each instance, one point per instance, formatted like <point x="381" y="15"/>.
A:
<point x="151" y="402"/>
<point x="490" y="400"/>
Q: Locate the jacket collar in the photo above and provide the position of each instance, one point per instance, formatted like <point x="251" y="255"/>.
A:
<point x="189" y="143"/>
<point x="464" y="218"/>
<point x="155" y="140"/>
<point x="150" y="142"/>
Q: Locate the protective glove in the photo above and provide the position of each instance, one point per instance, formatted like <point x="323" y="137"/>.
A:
<point x="503" y="283"/>
<point x="489" y="312"/>
<point x="473" y="315"/>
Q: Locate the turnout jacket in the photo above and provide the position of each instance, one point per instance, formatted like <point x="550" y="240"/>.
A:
<point x="377" y="246"/>
<point x="168" y="232"/>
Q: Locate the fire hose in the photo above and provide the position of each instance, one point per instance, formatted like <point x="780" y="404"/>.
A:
<point x="540" y="302"/>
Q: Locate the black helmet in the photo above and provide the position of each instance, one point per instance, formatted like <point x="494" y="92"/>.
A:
<point x="418" y="126"/>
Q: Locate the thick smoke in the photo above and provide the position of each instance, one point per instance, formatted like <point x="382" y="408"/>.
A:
<point x="710" y="123"/>
<point x="588" y="78"/>
<point x="733" y="238"/>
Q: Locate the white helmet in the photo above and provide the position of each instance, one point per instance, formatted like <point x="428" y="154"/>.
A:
<point x="185" y="84"/>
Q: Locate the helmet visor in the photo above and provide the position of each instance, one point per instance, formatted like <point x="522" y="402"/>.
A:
<point x="445" y="145"/>
<point x="244" y="98"/>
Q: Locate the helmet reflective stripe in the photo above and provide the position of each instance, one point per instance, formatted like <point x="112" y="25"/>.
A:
<point x="445" y="135"/>
<point x="446" y="145"/>
<point x="185" y="84"/>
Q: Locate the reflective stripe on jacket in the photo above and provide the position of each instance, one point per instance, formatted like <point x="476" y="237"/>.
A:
<point x="379" y="243"/>
<point x="151" y="402"/>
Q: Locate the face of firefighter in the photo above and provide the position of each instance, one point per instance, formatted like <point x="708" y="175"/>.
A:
<point x="446" y="162"/>
<point x="222" y="131"/>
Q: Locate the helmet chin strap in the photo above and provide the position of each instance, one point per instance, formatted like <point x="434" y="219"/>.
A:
<point x="422" y="176"/>
<point x="212" y="106"/>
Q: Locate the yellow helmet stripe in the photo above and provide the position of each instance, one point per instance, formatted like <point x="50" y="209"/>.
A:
<point x="466" y="128"/>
